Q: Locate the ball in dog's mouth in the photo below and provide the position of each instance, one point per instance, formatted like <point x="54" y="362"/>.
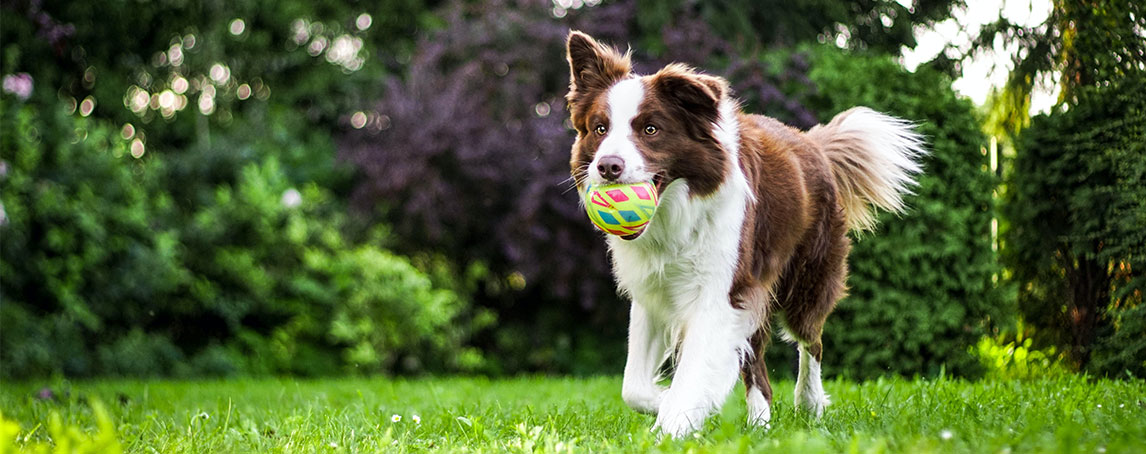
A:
<point x="623" y="209"/>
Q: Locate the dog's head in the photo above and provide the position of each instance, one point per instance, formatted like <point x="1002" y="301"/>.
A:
<point x="632" y="128"/>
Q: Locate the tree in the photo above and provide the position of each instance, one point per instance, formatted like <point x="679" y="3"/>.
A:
<point x="1076" y="202"/>
<point x="879" y="25"/>
<point x="1082" y="43"/>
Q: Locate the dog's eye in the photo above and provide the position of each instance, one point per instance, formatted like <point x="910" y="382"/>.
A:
<point x="601" y="130"/>
<point x="650" y="130"/>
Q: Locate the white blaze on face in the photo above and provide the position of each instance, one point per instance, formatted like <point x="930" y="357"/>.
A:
<point x="624" y="100"/>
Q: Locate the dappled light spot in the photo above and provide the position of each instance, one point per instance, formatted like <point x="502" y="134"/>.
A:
<point x="179" y="85"/>
<point x="220" y="73"/>
<point x="237" y="27"/>
<point x="89" y="77"/>
<point x="137" y="148"/>
<point x="136" y="99"/>
<point x="291" y="198"/>
<point x="167" y="99"/>
<point x="87" y="106"/>
<point x="127" y="132"/>
<point x="358" y="120"/>
<point x="243" y="92"/>
<point x="175" y="54"/>
<point x="206" y="103"/>
<point x="541" y="109"/>
<point x="344" y="52"/>
<point x="301" y="31"/>
<point x="316" y="46"/>
<point x="363" y="22"/>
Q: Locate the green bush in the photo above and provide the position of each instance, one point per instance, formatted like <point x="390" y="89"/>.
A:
<point x="269" y="252"/>
<point x="1076" y="206"/>
<point x="921" y="285"/>
<point x="1009" y="357"/>
<point x="103" y="274"/>
<point x="82" y="252"/>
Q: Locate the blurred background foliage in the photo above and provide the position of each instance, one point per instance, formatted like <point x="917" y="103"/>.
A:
<point x="191" y="188"/>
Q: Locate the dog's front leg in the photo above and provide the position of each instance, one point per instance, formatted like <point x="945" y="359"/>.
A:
<point x="709" y="362"/>
<point x="646" y="353"/>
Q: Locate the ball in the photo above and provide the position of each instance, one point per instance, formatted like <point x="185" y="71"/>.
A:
<point x="621" y="209"/>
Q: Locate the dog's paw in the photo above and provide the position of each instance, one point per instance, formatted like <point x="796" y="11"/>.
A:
<point x="759" y="411"/>
<point x="645" y="400"/>
<point x="813" y="403"/>
<point x="677" y="419"/>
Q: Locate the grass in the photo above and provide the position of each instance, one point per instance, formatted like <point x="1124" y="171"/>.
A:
<point x="1069" y="414"/>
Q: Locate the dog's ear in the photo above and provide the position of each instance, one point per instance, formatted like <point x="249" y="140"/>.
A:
<point x="695" y="93"/>
<point x="593" y="65"/>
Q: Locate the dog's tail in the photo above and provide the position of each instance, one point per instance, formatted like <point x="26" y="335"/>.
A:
<point x="874" y="158"/>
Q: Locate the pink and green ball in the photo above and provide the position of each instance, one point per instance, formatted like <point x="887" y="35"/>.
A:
<point x="621" y="209"/>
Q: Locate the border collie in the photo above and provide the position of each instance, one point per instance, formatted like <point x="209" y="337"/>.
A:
<point x="753" y="221"/>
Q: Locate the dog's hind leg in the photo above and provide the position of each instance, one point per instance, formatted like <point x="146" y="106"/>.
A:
<point x="810" y="395"/>
<point x="755" y="375"/>
<point x="646" y="353"/>
<point x="816" y="287"/>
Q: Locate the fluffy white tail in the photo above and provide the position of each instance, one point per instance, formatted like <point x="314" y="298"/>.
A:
<point x="874" y="159"/>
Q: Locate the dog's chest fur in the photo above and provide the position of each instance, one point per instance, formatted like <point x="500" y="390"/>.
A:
<point x="686" y="260"/>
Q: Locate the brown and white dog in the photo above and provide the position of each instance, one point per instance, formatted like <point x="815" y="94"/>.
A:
<point x="752" y="222"/>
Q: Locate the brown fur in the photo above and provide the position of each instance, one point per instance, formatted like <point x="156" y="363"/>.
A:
<point x="794" y="242"/>
<point x="593" y="69"/>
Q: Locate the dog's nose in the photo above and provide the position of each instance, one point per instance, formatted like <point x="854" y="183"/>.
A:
<point x="611" y="167"/>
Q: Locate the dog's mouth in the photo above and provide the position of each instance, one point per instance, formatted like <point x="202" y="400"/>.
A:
<point x="660" y="182"/>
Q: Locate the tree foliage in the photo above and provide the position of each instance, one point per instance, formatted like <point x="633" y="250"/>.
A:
<point x="1076" y="203"/>
<point x="102" y="275"/>
<point x="880" y="25"/>
<point x="1083" y="44"/>
<point x="181" y="213"/>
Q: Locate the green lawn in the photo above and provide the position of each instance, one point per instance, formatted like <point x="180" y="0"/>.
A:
<point x="566" y="414"/>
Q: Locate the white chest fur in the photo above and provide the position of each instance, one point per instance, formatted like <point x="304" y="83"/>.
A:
<point x="688" y="256"/>
<point x="689" y="252"/>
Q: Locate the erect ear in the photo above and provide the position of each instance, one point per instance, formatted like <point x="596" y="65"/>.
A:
<point x="593" y="65"/>
<point x="696" y="93"/>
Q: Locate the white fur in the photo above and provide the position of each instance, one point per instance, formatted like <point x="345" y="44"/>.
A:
<point x="810" y="394"/>
<point x="624" y="100"/>
<point x="679" y="273"/>
<point x="890" y="149"/>
<point x="647" y="351"/>
<point x="759" y="411"/>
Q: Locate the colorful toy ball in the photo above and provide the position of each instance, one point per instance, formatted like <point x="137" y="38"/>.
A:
<point x="621" y="209"/>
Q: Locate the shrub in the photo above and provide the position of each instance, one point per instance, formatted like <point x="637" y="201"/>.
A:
<point x="922" y="285"/>
<point x="1010" y="357"/>
<point x="104" y="275"/>
<point x="83" y="252"/>
<point x="1076" y="204"/>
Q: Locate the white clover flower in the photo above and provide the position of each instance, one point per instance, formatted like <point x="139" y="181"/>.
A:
<point x="946" y="434"/>
<point x="395" y="418"/>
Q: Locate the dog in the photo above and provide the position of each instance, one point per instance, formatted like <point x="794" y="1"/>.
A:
<point x="752" y="223"/>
